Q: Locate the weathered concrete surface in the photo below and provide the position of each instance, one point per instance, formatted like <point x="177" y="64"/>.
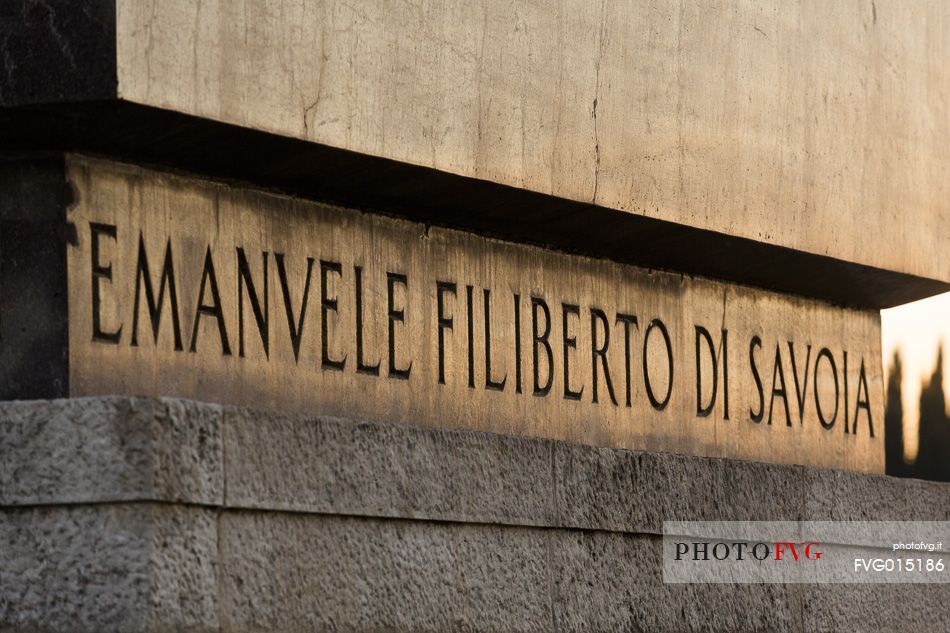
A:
<point x="93" y="450"/>
<point x="798" y="124"/>
<point x="836" y="496"/>
<point x="108" y="568"/>
<point x="90" y="450"/>
<point x="187" y="287"/>
<point x="898" y="608"/>
<point x="155" y="569"/>
<point x="462" y="577"/>
<point x="306" y="464"/>
<point x="466" y="578"/>
<point x="294" y="462"/>
<point x="606" y="581"/>
<point x="327" y="524"/>
<point x="632" y="491"/>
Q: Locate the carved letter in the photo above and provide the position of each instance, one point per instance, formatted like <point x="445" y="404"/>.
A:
<point x="541" y="339"/>
<point x="598" y="316"/>
<point x="395" y="314"/>
<point x="627" y="320"/>
<point x="825" y="422"/>
<point x="262" y="316"/>
<point x="570" y="342"/>
<point x="659" y="405"/>
<point x="863" y="404"/>
<point x="778" y="375"/>
<point x="444" y="322"/>
<point x="756" y="417"/>
<point x="296" y="330"/>
<point x="328" y="304"/>
<point x="361" y="366"/>
<point x="801" y="391"/>
<point x="489" y="383"/>
<point x="143" y="281"/>
<point x="100" y="272"/>
<point x="214" y="310"/>
<point x="517" y="343"/>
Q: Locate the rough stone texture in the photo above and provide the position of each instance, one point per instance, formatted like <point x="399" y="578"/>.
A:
<point x="606" y="581"/>
<point x="88" y="450"/>
<point x="102" y="568"/>
<point x="143" y="567"/>
<point x="285" y="572"/>
<point x="442" y="577"/>
<point x="294" y="462"/>
<point x="835" y="495"/>
<point x="114" y="448"/>
<point x="632" y="491"/>
<point x="183" y="569"/>
<point x="334" y="525"/>
<point x="875" y="608"/>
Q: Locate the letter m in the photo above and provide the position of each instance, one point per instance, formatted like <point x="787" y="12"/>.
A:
<point x="143" y="281"/>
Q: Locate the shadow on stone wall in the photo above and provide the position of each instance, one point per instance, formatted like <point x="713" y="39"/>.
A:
<point x="933" y="455"/>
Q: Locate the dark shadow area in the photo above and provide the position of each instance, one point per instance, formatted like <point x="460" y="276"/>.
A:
<point x="150" y="136"/>
<point x="933" y="454"/>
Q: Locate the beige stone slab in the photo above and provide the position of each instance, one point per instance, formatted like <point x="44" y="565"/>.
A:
<point x="818" y="126"/>
<point x="525" y="370"/>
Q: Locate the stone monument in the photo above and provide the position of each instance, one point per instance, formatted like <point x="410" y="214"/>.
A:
<point x="426" y="316"/>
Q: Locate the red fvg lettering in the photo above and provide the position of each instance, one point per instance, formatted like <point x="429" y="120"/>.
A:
<point x="788" y="547"/>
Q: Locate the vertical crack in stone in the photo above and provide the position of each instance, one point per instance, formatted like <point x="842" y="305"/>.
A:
<point x="600" y="54"/>
<point x="596" y="152"/>
<point x="680" y="138"/>
<point x="323" y="64"/>
<point x="555" y="143"/>
<point x="481" y="73"/>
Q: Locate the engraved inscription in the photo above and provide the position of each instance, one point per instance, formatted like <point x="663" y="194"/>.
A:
<point x="197" y="289"/>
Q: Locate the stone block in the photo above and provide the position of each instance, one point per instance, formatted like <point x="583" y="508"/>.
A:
<point x="94" y="450"/>
<point x="717" y="167"/>
<point x="300" y="463"/>
<point x="607" y="581"/>
<point x="875" y="608"/>
<point x="634" y="491"/>
<point x="291" y="572"/>
<point x="126" y="568"/>
<point x="181" y="286"/>
<point x="835" y="495"/>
